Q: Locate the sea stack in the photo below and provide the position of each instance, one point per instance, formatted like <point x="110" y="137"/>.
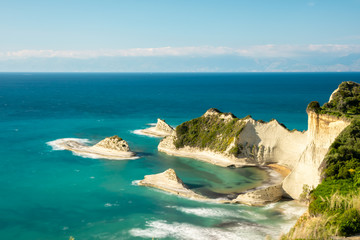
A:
<point x="162" y="129"/>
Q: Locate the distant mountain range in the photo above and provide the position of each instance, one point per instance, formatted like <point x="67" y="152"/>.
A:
<point x="220" y="63"/>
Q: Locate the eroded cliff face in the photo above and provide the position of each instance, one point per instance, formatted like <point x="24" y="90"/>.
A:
<point x="271" y="142"/>
<point x="259" y="143"/>
<point x="322" y="131"/>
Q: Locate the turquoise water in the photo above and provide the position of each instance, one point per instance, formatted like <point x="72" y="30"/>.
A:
<point x="47" y="194"/>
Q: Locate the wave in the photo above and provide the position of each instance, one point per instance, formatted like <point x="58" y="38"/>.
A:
<point x="162" y="229"/>
<point x="58" y="144"/>
<point x="140" y="132"/>
<point x="135" y="182"/>
<point x="207" y="212"/>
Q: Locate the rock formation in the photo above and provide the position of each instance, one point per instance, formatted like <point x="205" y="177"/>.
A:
<point x="114" y="148"/>
<point x="170" y="182"/>
<point x="114" y="143"/>
<point x="259" y="143"/>
<point x="162" y="129"/>
<point x="322" y="131"/>
<point x="260" y="197"/>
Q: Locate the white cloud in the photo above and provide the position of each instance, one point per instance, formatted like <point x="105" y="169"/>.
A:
<point x="258" y="51"/>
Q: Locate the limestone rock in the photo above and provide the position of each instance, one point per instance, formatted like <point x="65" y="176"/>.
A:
<point x="162" y="126"/>
<point x="170" y="182"/>
<point x="114" y="143"/>
<point x="162" y="129"/>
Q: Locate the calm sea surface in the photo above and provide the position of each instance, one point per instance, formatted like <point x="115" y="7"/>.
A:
<point x="48" y="194"/>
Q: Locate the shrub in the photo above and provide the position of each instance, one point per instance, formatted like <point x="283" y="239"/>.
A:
<point x="211" y="132"/>
<point x="349" y="222"/>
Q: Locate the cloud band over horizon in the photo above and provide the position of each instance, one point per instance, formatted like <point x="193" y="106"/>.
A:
<point x="257" y="51"/>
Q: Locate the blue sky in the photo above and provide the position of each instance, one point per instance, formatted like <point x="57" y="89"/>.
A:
<point x="307" y="32"/>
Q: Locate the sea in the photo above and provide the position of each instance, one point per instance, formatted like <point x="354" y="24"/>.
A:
<point x="47" y="193"/>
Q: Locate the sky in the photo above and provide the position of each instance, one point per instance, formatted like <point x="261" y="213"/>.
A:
<point x="179" y="35"/>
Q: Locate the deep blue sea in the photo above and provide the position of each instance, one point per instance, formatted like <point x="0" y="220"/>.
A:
<point x="48" y="194"/>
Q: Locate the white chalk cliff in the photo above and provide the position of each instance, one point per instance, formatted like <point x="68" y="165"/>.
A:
<point x="322" y="131"/>
<point x="262" y="143"/>
<point x="162" y="129"/>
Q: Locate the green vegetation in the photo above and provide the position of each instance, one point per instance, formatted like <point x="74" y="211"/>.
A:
<point x="211" y="132"/>
<point x="334" y="207"/>
<point x="334" y="196"/>
<point x="116" y="137"/>
<point x="345" y="102"/>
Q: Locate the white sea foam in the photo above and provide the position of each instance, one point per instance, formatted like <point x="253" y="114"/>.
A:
<point x="207" y="212"/>
<point x="162" y="229"/>
<point x="135" y="182"/>
<point x="292" y="209"/>
<point x="58" y="144"/>
<point x="140" y="132"/>
<point x="111" y="205"/>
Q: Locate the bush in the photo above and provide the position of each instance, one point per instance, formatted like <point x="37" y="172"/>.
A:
<point x="349" y="222"/>
<point x="313" y="106"/>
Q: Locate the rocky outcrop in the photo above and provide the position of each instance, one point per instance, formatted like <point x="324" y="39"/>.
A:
<point x="114" y="148"/>
<point x="259" y="143"/>
<point x="114" y="143"/>
<point x="162" y="129"/>
<point x="260" y="197"/>
<point x="169" y="182"/>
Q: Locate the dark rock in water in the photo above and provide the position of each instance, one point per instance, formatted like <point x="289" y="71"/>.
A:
<point x="232" y="166"/>
<point x="227" y="224"/>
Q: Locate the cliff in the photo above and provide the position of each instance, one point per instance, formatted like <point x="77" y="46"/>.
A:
<point x="225" y="140"/>
<point x="222" y="139"/>
<point x="162" y="129"/>
<point x="322" y="131"/>
<point x="334" y="208"/>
